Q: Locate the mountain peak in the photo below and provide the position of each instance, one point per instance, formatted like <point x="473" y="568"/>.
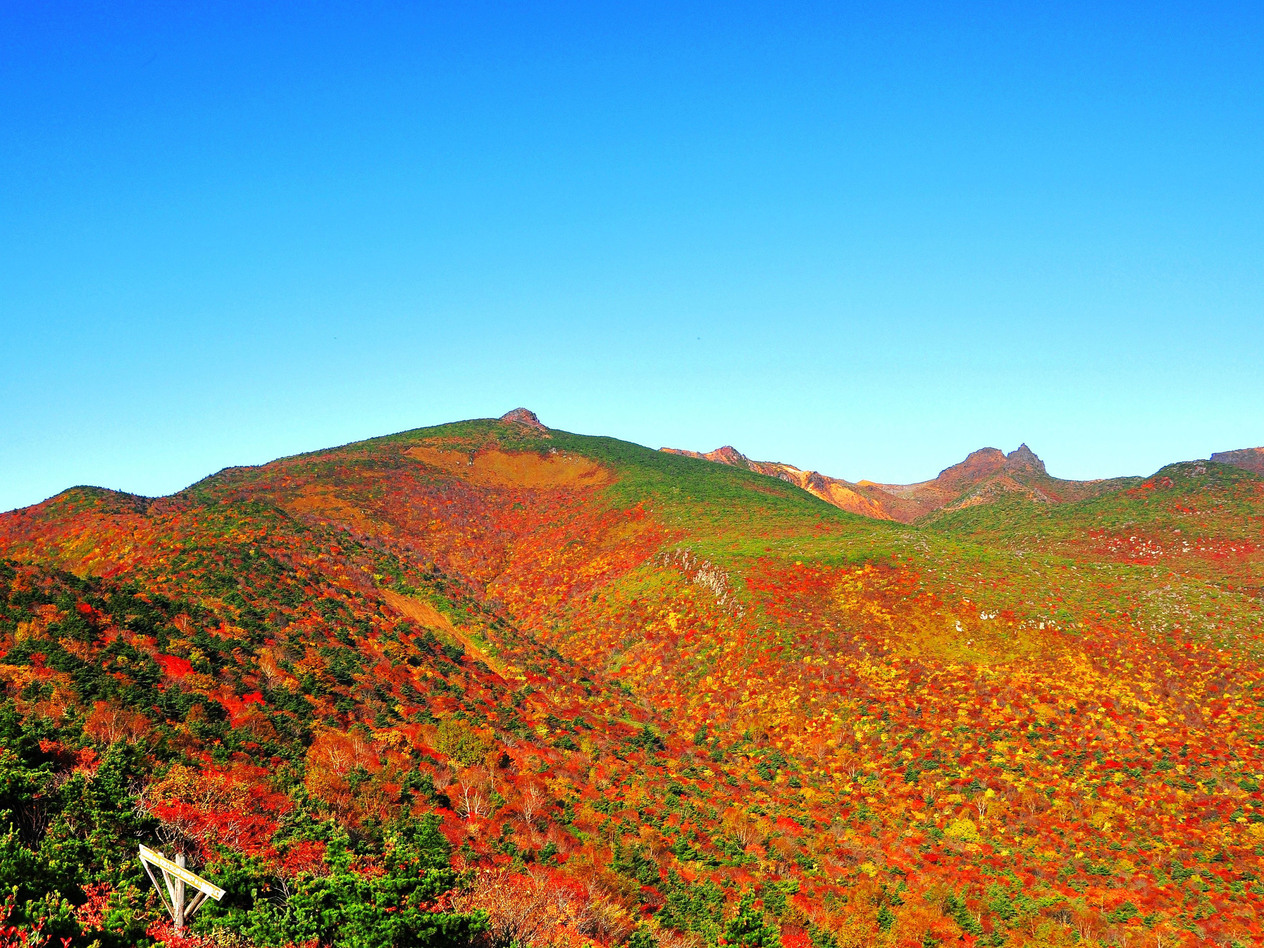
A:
<point x="978" y="464"/>
<point x="1024" y="458"/>
<point x="523" y="416"/>
<point x="727" y="454"/>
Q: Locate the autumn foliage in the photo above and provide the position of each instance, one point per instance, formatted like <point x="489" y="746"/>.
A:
<point x="533" y="688"/>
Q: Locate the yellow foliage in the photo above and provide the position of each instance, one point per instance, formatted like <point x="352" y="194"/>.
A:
<point x="964" y="830"/>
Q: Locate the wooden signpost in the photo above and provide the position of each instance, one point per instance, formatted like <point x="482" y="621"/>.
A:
<point x="176" y="878"/>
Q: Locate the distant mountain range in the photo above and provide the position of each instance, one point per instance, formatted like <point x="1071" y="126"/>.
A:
<point x="984" y="476"/>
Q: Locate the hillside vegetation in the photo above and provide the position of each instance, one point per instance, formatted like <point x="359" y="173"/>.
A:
<point x="495" y="684"/>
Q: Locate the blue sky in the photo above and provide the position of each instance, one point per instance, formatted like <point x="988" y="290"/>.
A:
<point x="862" y="238"/>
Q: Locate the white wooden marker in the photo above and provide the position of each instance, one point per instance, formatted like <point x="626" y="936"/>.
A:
<point x="176" y="877"/>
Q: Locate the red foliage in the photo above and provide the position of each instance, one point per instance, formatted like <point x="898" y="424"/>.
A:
<point x="174" y="666"/>
<point x="230" y="809"/>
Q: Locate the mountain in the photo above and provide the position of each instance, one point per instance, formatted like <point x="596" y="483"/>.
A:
<point x="493" y="682"/>
<point x="982" y="477"/>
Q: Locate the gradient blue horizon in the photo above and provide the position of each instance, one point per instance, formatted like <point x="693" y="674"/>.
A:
<point x="864" y="239"/>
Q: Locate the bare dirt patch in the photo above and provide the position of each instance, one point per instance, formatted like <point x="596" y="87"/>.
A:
<point x="325" y="502"/>
<point x="523" y="469"/>
<point x="431" y="618"/>
<point x="422" y="612"/>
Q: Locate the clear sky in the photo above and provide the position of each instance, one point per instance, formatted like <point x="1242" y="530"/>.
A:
<point x="862" y="238"/>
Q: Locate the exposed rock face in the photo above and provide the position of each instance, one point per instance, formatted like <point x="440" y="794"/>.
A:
<point x="1024" y="459"/>
<point x="1248" y="459"/>
<point x="729" y="455"/>
<point x="523" y="416"/>
<point x="978" y="464"/>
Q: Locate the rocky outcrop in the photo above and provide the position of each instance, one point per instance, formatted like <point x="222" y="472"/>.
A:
<point x="978" y="464"/>
<point x="523" y="416"/>
<point x="1247" y="459"/>
<point x="1024" y="459"/>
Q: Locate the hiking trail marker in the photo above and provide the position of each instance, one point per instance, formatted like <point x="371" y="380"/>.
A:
<point x="176" y="878"/>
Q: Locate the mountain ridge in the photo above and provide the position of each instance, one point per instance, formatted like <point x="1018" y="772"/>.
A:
<point x="984" y="475"/>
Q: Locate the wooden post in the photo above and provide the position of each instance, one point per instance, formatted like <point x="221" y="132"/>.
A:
<point x="176" y="877"/>
<point x="177" y="897"/>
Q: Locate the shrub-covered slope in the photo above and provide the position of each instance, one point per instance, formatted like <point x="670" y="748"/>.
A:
<point x="490" y="682"/>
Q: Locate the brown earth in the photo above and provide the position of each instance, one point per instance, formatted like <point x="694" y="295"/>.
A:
<point x="521" y="469"/>
<point x="431" y="618"/>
